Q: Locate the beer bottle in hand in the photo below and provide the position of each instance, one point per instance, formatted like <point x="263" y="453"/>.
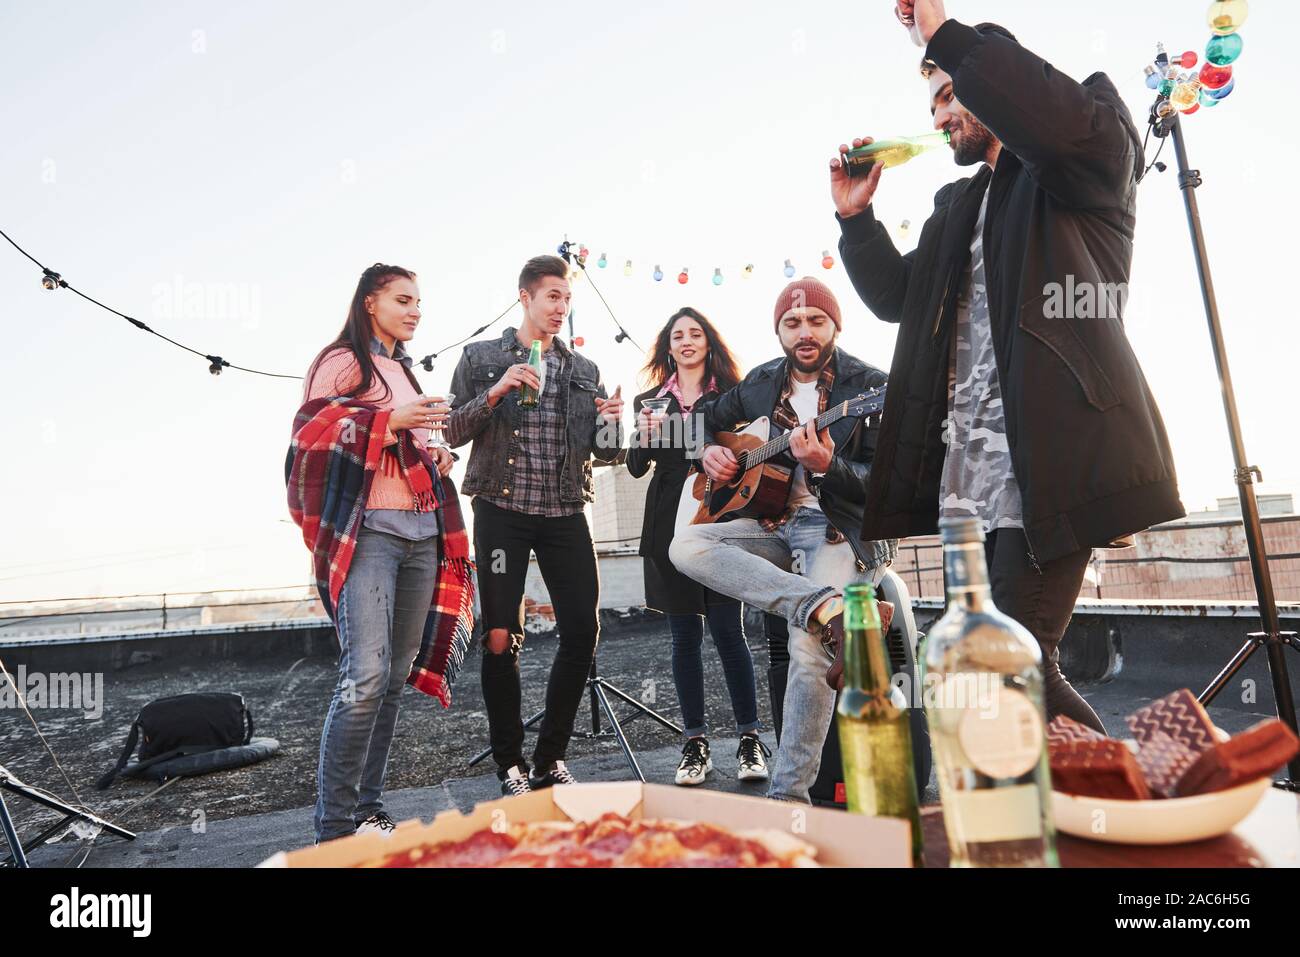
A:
<point x="528" y="396"/>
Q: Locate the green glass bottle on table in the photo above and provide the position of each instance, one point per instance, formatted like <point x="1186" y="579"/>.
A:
<point x="875" y="732"/>
<point x="893" y="152"/>
<point x="528" y="396"/>
<point x="983" y="692"/>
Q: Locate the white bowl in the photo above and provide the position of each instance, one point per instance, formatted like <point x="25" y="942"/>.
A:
<point x="1163" y="821"/>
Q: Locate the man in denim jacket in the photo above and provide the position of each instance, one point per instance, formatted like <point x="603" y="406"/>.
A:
<point x="530" y="475"/>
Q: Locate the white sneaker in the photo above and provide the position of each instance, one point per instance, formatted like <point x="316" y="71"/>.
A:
<point x="559" y="774"/>
<point x="378" y="823"/>
<point x="695" y="764"/>
<point x="752" y="753"/>
<point x="515" y="782"/>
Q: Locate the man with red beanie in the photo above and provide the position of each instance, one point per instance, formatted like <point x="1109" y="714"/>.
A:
<point x="796" y="564"/>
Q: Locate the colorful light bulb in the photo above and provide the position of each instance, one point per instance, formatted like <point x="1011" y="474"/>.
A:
<point x="1223" y="90"/>
<point x="579" y="342"/>
<point x="1208" y="99"/>
<point x="717" y="277"/>
<point x="1223" y="50"/>
<point x="827" y="260"/>
<point x="1192" y="109"/>
<point x="1166" y="87"/>
<point x="601" y="261"/>
<point x="684" y="276"/>
<point x="1153" y="78"/>
<point x="1185" y="96"/>
<point x="1227" y="16"/>
<point x="1165" y="109"/>
<point x="1215" y="77"/>
<point x="627" y="268"/>
<point x="1186" y="60"/>
<point x="659" y="274"/>
<point x="789" y="269"/>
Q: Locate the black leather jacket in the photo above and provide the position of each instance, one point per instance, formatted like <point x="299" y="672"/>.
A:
<point x="842" y="493"/>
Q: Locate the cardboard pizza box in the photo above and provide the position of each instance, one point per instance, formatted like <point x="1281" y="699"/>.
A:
<point x="841" y="839"/>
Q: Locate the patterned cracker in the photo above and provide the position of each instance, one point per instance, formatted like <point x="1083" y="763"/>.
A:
<point x="1163" y="762"/>
<point x="1062" y="730"/>
<point x="1178" y="715"/>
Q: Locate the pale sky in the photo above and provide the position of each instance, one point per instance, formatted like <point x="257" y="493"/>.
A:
<point x="225" y="171"/>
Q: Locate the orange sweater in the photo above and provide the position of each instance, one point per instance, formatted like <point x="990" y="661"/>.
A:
<point x="337" y="373"/>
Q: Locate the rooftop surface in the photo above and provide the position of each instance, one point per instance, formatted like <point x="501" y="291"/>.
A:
<point x="240" y="817"/>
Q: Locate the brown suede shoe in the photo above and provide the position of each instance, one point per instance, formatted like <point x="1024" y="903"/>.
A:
<point x="832" y="638"/>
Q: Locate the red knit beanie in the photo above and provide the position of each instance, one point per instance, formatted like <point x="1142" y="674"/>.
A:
<point x="807" y="292"/>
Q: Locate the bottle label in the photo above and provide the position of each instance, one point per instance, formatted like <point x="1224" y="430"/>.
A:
<point x="1005" y="739"/>
<point x="995" y="814"/>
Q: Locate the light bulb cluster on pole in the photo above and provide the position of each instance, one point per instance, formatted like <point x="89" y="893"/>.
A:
<point x="1185" y="90"/>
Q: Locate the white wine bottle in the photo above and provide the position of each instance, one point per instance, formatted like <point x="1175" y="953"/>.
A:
<point x="895" y="152"/>
<point x="875" y="733"/>
<point x="984" y="701"/>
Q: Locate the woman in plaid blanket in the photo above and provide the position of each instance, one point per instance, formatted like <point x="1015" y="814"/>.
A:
<point x="390" y="552"/>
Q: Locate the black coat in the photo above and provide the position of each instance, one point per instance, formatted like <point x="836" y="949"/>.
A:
<point x="666" y="589"/>
<point x="1087" y="443"/>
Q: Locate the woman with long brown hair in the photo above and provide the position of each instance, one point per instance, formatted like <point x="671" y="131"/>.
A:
<point x="690" y="364"/>
<point x="364" y="380"/>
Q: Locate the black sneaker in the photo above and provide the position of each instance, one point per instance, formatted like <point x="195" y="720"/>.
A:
<point x="556" y="775"/>
<point x="695" y="763"/>
<point x="377" y="823"/>
<point x="514" y="781"/>
<point x="752" y="754"/>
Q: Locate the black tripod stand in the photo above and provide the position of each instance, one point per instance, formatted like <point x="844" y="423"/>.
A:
<point x="599" y="691"/>
<point x="17" y="849"/>
<point x="1272" y="639"/>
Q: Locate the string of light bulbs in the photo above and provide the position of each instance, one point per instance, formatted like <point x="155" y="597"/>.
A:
<point x="52" y="281"/>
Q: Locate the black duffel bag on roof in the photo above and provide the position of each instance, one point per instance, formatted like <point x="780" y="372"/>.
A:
<point x="181" y="725"/>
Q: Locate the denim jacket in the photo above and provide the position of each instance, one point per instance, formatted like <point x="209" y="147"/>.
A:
<point x="495" y="430"/>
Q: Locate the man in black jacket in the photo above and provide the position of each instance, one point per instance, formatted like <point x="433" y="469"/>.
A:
<point x="1014" y="395"/>
<point x="797" y="563"/>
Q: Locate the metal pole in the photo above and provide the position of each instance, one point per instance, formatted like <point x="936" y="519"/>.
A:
<point x="1244" y="475"/>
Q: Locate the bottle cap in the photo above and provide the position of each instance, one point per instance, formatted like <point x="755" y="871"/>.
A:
<point x="961" y="531"/>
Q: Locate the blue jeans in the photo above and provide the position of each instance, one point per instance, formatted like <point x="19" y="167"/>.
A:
<point x="727" y="626"/>
<point x="380" y="621"/>
<point x="788" y="572"/>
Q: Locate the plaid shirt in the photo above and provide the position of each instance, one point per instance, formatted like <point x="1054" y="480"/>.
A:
<point x="784" y="416"/>
<point x="541" y="439"/>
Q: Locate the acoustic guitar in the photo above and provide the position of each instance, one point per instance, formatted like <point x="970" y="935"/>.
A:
<point x="761" y="487"/>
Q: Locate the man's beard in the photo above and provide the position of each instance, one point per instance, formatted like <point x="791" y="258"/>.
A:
<point x="972" y="145"/>
<point x="823" y="356"/>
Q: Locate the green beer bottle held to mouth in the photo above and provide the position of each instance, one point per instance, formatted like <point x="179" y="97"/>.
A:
<point x="895" y="152"/>
<point x="874" y="726"/>
<point x="528" y="396"/>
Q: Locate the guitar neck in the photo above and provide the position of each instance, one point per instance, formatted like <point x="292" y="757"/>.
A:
<point x="774" y="447"/>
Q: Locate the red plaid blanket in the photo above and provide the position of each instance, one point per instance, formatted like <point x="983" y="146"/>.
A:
<point x="337" y="446"/>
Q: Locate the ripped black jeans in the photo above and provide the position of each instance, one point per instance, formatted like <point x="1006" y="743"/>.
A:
<point x="566" y="558"/>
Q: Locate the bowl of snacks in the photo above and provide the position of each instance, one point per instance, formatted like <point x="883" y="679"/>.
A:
<point x="1179" y="779"/>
